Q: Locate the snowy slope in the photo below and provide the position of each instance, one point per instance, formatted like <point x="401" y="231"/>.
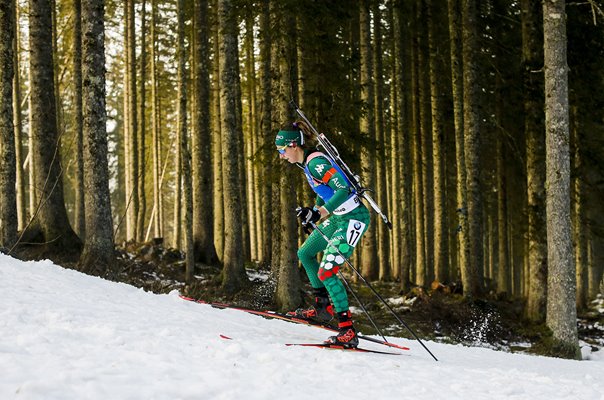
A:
<point x="65" y="335"/>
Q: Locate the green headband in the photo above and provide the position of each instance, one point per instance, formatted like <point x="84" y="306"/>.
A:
<point x="288" y="137"/>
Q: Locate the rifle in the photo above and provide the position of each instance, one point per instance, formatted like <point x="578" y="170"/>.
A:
<point x="353" y="178"/>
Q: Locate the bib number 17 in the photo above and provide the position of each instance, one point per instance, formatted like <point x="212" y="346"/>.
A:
<point x="354" y="232"/>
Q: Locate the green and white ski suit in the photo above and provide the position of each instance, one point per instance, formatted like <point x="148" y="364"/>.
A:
<point x="348" y="221"/>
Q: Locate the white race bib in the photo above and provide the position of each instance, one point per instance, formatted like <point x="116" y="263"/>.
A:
<point x="354" y="231"/>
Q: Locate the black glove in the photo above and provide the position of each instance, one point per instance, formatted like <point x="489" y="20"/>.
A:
<point x="307" y="215"/>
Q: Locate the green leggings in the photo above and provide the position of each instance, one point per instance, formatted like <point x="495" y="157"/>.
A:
<point x="344" y="232"/>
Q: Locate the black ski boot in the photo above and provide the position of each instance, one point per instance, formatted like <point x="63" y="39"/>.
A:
<point x="321" y="311"/>
<point x="347" y="335"/>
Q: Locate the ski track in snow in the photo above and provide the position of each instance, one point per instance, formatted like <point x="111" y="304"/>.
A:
<point x="66" y="335"/>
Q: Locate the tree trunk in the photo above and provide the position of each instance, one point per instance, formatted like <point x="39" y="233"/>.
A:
<point x="472" y="150"/>
<point x="157" y="203"/>
<point x="265" y="126"/>
<point x="288" y="278"/>
<point x="58" y="236"/>
<point x="142" y="129"/>
<point x="98" y="255"/>
<point x="404" y="140"/>
<point x="80" y="214"/>
<point x="130" y="126"/>
<point x="185" y="165"/>
<point x="219" y="233"/>
<point x="8" y="199"/>
<point x="418" y="170"/>
<point x="203" y="230"/>
<point x="251" y="136"/>
<point x="425" y="132"/>
<point x="369" y="256"/>
<point x="394" y="141"/>
<point x="438" y="154"/>
<point x="532" y="56"/>
<point x="234" y="276"/>
<point x="17" y="120"/>
<point x="380" y="154"/>
<point x="561" y="287"/>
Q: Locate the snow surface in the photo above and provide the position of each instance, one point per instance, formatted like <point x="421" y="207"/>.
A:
<point x="65" y="335"/>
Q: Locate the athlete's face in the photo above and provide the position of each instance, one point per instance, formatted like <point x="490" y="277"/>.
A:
<point x="293" y="154"/>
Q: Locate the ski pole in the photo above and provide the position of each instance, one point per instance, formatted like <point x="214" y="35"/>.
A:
<point x="314" y="226"/>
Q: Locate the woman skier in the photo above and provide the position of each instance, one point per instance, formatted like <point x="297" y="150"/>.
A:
<point x="348" y="220"/>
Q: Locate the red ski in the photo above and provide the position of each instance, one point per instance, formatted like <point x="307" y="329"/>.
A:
<point x="337" y="347"/>
<point x="289" y="318"/>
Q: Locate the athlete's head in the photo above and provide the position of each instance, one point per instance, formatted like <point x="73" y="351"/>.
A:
<point x="288" y="136"/>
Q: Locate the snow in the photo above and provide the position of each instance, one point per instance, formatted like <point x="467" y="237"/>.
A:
<point x="65" y="335"/>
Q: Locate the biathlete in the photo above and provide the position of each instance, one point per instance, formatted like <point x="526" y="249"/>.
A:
<point x="345" y="220"/>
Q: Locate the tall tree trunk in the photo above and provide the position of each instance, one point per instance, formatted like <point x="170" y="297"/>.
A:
<point x="17" y="120"/>
<point x="131" y="128"/>
<point x="52" y="220"/>
<point x="203" y="230"/>
<point x="157" y="203"/>
<point x="98" y="255"/>
<point x="185" y="156"/>
<point x="426" y="142"/>
<point x="8" y="198"/>
<point x="369" y="256"/>
<point x="80" y="214"/>
<point x="380" y="136"/>
<point x="265" y="125"/>
<point x="438" y="155"/>
<point x="142" y="129"/>
<point x="394" y="140"/>
<point x="402" y="144"/>
<point x="472" y="148"/>
<point x="532" y="56"/>
<point x="288" y="280"/>
<point x="234" y="276"/>
<point x="250" y="136"/>
<point x="418" y="170"/>
<point x="219" y="233"/>
<point x="561" y="287"/>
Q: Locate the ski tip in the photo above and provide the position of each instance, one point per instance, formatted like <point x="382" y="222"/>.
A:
<point x="396" y="346"/>
<point x="225" y="337"/>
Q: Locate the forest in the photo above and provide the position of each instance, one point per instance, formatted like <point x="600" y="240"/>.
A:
<point x="477" y="124"/>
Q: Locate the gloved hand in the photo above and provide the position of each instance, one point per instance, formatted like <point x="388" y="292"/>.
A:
<point x="307" y="215"/>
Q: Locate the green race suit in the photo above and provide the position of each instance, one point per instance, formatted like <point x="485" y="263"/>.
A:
<point x="348" y="221"/>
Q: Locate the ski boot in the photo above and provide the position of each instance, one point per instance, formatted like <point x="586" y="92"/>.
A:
<point x="347" y="335"/>
<point x="321" y="311"/>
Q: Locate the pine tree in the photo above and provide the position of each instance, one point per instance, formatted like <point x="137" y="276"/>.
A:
<point x="17" y="119"/>
<point x="233" y="277"/>
<point x="98" y="255"/>
<point x="185" y="156"/>
<point x="369" y="265"/>
<point x="80" y="214"/>
<point x="288" y="278"/>
<point x="8" y="200"/>
<point x="532" y="56"/>
<point x="561" y="287"/>
<point x="51" y="218"/>
<point x="203" y="231"/>
<point x="472" y="149"/>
